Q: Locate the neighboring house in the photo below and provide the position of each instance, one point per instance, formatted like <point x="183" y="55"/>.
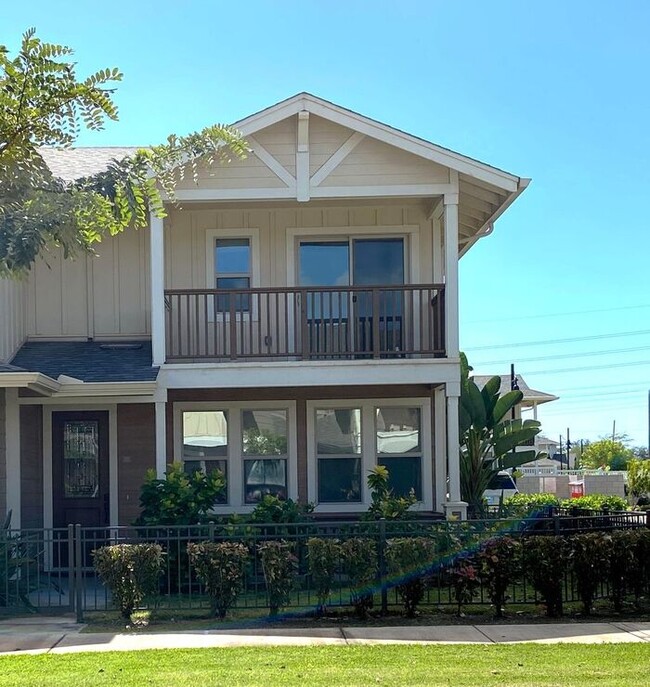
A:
<point x="293" y="321"/>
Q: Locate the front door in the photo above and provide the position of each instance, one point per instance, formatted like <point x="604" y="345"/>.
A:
<point x="80" y="468"/>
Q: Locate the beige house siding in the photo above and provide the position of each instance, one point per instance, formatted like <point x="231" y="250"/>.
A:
<point x="3" y="457"/>
<point x="12" y="307"/>
<point x="106" y="295"/>
<point x="187" y="231"/>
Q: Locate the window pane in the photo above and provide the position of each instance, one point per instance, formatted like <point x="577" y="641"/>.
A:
<point x="232" y="256"/>
<point x="339" y="480"/>
<point x="208" y="466"/>
<point x="405" y="474"/>
<point x="264" y="432"/>
<point x="338" y="431"/>
<point x="324" y="263"/>
<point x="242" y="300"/>
<point x="81" y="459"/>
<point x="205" y="434"/>
<point x="262" y="477"/>
<point x="398" y="430"/>
<point x="378" y="261"/>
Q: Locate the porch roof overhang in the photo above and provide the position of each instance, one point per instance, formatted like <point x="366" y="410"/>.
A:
<point x="67" y="387"/>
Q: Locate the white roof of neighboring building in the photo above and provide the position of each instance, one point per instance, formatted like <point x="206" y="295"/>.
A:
<point x="531" y="396"/>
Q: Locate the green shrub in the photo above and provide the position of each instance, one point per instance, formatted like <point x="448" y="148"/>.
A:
<point x="642" y="553"/>
<point x="179" y="499"/>
<point x="272" y="509"/>
<point x="359" y="563"/>
<point x="623" y="566"/>
<point x="279" y="565"/>
<point x="523" y="505"/>
<point x="597" y="502"/>
<point x="589" y="561"/>
<point x="130" y="571"/>
<point x="545" y="565"/>
<point x="499" y="563"/>
<point x="410" y="559"/>
<point x="384" y="504"/>
<point x="323" y="556"/>
<point x="220" y="566"/>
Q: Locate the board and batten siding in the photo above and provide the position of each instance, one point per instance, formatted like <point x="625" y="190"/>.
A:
<point x="102" y="296"/>
<point x="187" y="231"/>
<point x="12" y="317"/>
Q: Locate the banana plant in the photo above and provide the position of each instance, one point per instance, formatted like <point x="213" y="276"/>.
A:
<point x="488" y="438"/>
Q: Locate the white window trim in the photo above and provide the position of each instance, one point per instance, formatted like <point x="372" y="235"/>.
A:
<point x="253" y="235"/>
<point x="235" y="461"/>
<point x="369" y="450"/>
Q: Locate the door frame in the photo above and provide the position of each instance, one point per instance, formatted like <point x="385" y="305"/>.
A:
<point x="48" y="485"/>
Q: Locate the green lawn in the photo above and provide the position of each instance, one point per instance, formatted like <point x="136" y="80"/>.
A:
<point x="564" y="665"/>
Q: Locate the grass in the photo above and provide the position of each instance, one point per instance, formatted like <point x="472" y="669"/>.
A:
<point x="463" y="665"/>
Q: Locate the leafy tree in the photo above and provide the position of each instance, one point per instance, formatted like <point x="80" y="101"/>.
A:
<point x="638" y="477"/>
<point x="44" y="103"/>
<point x="487" y="437"/>
<point x="606" y="453"/>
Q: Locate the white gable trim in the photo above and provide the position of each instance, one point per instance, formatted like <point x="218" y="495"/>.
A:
<point x="379" y="131"/>
<point x="263" y="154"/>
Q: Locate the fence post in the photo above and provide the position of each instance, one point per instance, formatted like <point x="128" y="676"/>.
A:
<point x="72" y="587"/>
<point x="381" y="552"/>
<point x="647" y="519"/>
<point x="556" y="524"/>
<point x="78" y="574"/>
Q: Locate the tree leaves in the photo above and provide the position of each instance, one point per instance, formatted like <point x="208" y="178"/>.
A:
<point x="43" y="103"/>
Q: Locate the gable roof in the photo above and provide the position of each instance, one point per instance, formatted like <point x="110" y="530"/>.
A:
<point x="70" y="164"/>
<point x="383" y="132"/>
<point x="530" y="395"/>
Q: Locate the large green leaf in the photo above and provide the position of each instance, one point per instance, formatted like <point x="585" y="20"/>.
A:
<point x="490" y="393"/>
<point x="516" y="459"/>
<point x="474" y="404"/>
<point x="505" y="404"/>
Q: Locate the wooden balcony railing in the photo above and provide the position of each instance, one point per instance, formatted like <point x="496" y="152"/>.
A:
<point x="305" y="323"/>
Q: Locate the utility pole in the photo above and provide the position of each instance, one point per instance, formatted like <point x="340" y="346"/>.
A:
<point x="614" y="431"/>
<point x="568" y="449"/>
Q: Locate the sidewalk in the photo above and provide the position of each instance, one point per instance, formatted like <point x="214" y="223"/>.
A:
<point x="62" y="635"/>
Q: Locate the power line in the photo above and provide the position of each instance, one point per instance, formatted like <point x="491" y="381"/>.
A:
<point x="545" y="342"/>
<point x="558" y="314"/>
<point x="588" y="367"/>
<point x="611" y="351"/>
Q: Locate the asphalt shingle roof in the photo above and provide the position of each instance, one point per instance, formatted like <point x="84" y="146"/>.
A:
<point x="74" y="163"/>
<point x="90" y="361"/>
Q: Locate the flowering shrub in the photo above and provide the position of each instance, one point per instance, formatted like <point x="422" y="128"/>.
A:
<point x="323" y="557"/>
<point x="130" y="571"/>
<point x="465" y="581"/>
<point x="279" y="565"/>
<point x="220" y="566"/>
<point x="359" y="563"/>
<point x="410" y="559"/>
<point x="499" y="563"/>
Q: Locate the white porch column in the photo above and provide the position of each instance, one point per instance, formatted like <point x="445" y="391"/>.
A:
<point x="161" y="439"/>
<point x="157" y="258"/>
<point x="451" y="273"/>
<point x="440" y="446"/>
<point x="454" y="507"/>
<point x="12" y="444"/>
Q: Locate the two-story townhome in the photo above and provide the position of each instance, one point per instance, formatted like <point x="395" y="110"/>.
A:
<point x="293" y="321"/>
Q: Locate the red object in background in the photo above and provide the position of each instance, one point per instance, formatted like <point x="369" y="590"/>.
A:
<point x="577" y="489"/>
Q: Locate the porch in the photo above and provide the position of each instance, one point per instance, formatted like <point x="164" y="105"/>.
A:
<point x="305" y="323"/>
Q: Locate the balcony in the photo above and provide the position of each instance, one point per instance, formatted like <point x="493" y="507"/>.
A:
<point x="305" y="323"/>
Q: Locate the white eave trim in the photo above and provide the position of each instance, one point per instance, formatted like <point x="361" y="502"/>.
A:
<point x="47" y="386"/>
<point x="381" y="132"/>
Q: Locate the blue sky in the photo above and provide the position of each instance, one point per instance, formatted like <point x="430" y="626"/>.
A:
<point x="556" y="91"/>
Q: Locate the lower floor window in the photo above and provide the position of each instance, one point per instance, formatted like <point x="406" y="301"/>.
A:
<point x="348" y="442"/>
<point x="248" y="445"/>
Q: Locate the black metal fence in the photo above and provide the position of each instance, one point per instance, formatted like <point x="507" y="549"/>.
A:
<point x="51" y="570"/>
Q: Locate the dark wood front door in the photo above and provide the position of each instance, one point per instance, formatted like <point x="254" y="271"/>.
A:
<point x="80" y="468"/>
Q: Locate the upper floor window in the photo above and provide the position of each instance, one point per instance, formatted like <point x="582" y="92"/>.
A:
<point x="232" y="261"/>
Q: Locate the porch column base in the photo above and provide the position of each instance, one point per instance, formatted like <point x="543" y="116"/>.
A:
<point x="455" y="510"/>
